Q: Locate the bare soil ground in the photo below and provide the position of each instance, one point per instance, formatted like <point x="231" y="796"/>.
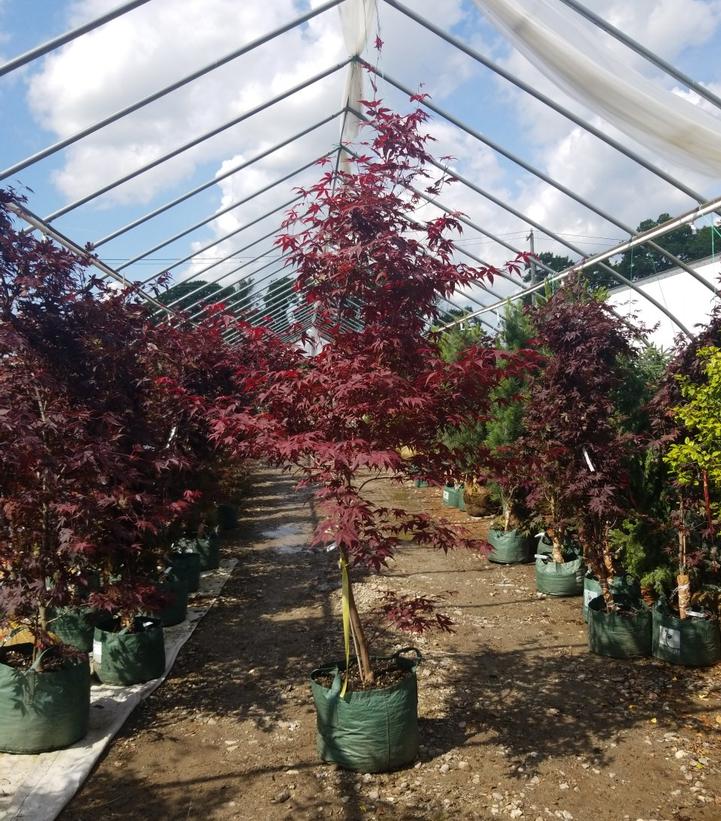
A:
<point x="517" y="719"/>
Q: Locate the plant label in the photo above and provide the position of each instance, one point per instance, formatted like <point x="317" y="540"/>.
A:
<point x="97" y="652"/>
<point x="669" y="638"/>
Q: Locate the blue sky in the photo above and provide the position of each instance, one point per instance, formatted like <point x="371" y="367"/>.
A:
<point x="166" y="39"/>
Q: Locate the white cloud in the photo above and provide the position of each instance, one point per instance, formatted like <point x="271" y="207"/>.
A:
<point x="166" y="39"/>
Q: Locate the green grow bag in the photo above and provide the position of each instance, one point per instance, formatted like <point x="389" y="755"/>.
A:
<point x="227" y="517"/>
<point x="450" y="496"/>
<point x="509" y="547"/>
<point x="544" y="546"/>
<point x="46" y="711"/>
<point x="129" y="658"/>
<point x="591" y="589"/>
<point x="208" y="548"/>
<point x="564" y="579"/>
<point x="368" y="731"/>
<point x="186" y="566"/>
<point x="692" y="642"/>
<point x="176" y="608"/>
<point x="75" y="626"/>
<point x="625" y="585"/>
<point x="616" y="635"/>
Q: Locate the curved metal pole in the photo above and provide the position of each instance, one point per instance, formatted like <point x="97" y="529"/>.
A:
<point x="606" y="268"/>
<point x="232" y="233"/>
<point x="220" y="213"/>
<point x="202" y="138"/>
<point x="649" y="55"/>
<point x="691" y="216"/>
<point x="123" y="112"/>
<point x="51" y="232"/>
<point x="650" y="243"/>
<point x="539" y="175"/>
<point x="548" y="101"/>
<point x="229" y="273"/>
<point x="211" y="182"/>
<point x="61" y="40"/>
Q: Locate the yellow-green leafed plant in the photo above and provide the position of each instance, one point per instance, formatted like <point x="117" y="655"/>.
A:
<point x="696" y="461"/>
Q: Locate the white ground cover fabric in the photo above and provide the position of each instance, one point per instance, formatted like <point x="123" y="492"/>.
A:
<point x="37" y="787"/>
<point x="578" y="58"/>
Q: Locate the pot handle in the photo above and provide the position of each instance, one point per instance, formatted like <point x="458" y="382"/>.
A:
<point x="419" y="655"/>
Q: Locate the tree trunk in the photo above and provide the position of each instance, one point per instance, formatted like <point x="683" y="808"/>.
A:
<point x="609" y="571"/>
<point x="707" y="501"/>
<point x="557" y="549"/>
<point x="359" y="636"/>
<point x="682" y="579"/>
<point x="684" y="594"/>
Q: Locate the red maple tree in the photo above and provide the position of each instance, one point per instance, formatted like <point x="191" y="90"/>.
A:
<point x="342" y="417"/>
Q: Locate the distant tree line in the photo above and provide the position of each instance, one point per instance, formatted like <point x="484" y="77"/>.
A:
<point x="640" y="262"/>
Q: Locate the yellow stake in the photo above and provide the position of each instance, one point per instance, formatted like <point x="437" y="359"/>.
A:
<point x="346" y="619"/>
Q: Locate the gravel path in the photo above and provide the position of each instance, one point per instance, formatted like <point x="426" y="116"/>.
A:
<point x="518" y="720"/>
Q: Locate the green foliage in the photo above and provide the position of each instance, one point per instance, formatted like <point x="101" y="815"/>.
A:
<point x="455" y="340"/>
<point x="661" y="579"/>
<point x="699" y="454"/>
<point x="640" y="262"/>
<point x="464" y="439"/>
<point x="644" y="540"/>
<point x="505" y="424"/>
<point x="642" y="376"/>
<point x="195" y="291"/>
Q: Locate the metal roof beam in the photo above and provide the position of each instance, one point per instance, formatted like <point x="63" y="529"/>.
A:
<point x="548" y="101"/>
<point x="67" y="37"/>
<point x="691" y="216"/>
<point x="196" y="141"/>
<point x="225" y="237"/>
<point x="52" y="233"/>
<point x="123" y="112"/>
<point x="649" y="55"/>
<point x="211" y="182"/>
<point x="216" y="214"/>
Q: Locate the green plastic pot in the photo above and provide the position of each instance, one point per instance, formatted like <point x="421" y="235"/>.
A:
<point x="420" y="483"/>
<point x="461" y="498"/>
<point x="450" y="496"/>
<point x="123" y="658"/>
<point x="591" y="589"/>
<point x="186" y="567"/>
<point x="544" y="546"/>
<point x="208" y="548"/>
<point x="692" y="642"/>
<point x="176" y="608"/>
<point x="619" y="635"/>
<point x="227" y="517"/>
<point x="563" y="579"/>
<point x="40" y="712"/>
<point x="624" y="585"/>
<point x="509" y="547"/>
<point x="368" y="731"/>
<point x="75" y="626"/>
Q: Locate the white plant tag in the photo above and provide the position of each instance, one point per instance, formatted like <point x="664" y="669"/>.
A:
<point x="588" y="461"/>
<point x="669" y="638"/>
<point x="696" y="614"/>
<point x="97" y="652"/>
<point x="446" y="496"/>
